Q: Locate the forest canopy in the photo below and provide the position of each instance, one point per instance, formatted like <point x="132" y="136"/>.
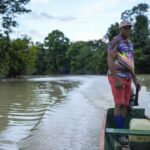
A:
<point x="58" y="55"/>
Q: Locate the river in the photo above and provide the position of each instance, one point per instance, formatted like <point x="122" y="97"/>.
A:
<point x="57" y="113"/>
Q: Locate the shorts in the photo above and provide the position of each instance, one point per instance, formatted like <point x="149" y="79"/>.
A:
<point x="121" y="96"/>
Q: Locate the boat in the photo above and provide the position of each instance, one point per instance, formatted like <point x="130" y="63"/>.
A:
<point x="139" y="138"/>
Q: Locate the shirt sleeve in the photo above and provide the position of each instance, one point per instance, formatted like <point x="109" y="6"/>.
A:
<point x="113" y="44"/>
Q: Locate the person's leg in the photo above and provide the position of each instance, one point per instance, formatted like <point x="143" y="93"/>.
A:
<point x="127" y="94"/>
<point x="120" y="110"/>
<point x="124" y="110"/>
<point x="118" y="95"/>
<point x="118" y="118"/>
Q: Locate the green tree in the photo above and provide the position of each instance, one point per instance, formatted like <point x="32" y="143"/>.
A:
<point x="140" y="36"/>
<point x="138" y="10"/>
<point x="113" y="30"/>
<point x="4" y="56"/>
<point x="9" y="9"/>
<point x="41" y="59"/>
<point x="79" y="55"/>
<point x="99" y="63"/>
<point x="142" y="62"/>
<point x="31" y="57"/>
<point x="56" y="45"/>
<point x="17" y="58"/>
<point x="22" y="56"/>
<point x="140" y="31"/>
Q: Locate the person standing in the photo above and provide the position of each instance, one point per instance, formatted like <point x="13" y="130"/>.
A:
<point x="120" y="58"/>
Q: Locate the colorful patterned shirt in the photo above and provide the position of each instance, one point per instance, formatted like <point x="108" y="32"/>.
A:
<point x="124" y="62"/>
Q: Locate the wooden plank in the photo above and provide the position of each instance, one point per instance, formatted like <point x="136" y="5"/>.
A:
<point x="127" y="132"/>
<point x="102" y="133"/>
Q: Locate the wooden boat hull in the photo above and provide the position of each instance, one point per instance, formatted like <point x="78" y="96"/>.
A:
<point x="108" y="132"/>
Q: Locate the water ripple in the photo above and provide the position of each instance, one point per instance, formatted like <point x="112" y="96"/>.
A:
<point x="23" y="105"/>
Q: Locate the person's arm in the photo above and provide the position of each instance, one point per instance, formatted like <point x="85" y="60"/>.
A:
<point x="111" y="55"/>
<point x="134" y="78"/>
<point x="136" y="82"/>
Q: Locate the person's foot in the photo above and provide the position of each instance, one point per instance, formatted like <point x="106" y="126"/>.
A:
<point x="123" y="140"/>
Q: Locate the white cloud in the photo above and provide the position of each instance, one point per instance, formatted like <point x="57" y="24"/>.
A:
<point x="92" y="8"/>
<point x="82" y="20"/>
<point x="35" y="33"/>
<point x="86" y="35"/>
<point x="40" y="1"/>
<point x="99" y="6"/>
<point x="115" y="1"/>
<point x="60" y="18"/>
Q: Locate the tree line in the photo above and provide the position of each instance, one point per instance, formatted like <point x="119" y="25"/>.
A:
<point x="58" y="55"/>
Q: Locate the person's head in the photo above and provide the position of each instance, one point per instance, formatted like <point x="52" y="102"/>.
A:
<point x="125" y="28"/>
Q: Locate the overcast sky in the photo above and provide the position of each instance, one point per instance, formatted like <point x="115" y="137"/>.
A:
<point x="77" y="19"/>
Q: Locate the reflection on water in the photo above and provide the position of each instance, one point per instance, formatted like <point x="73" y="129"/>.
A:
<point x="23" y="104"/>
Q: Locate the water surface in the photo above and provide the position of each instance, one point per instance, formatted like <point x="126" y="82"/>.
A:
<point x="57" y="113"/>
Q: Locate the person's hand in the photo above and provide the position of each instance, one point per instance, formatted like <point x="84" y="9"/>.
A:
<point x="138" y="85"/>
<point x="118" y="84"/>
